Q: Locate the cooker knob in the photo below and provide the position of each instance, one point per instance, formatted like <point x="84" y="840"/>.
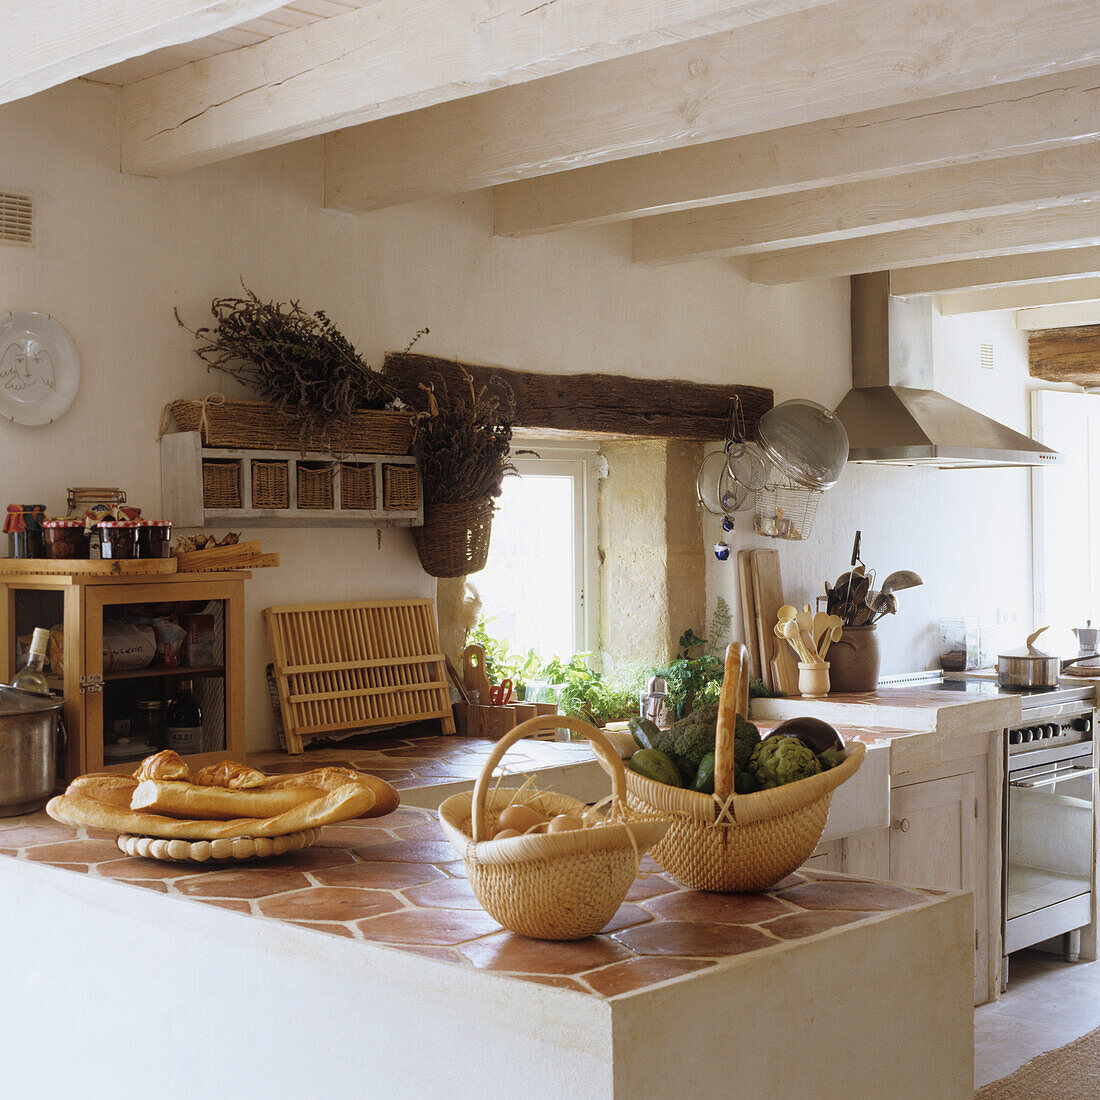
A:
<point x="1083" y="724"/>
<point x="1015" y="736"/>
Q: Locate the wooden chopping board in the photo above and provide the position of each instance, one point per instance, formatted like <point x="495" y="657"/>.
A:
<point x="767" y="582"/>
<point x="748" y="616"/>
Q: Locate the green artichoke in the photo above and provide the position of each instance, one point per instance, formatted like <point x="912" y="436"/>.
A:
<point x="779" y="760"/>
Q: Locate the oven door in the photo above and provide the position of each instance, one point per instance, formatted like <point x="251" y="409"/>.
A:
<point x="1049" y="851"/>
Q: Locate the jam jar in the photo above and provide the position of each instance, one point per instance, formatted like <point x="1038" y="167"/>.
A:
<point x="118" y="538"/>
<point x="154" y="537"/>
<point x="65" y="538"/>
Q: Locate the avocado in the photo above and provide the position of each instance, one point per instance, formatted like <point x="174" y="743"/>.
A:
<point x="655" y="765"/>
<point x="643" y="731"/>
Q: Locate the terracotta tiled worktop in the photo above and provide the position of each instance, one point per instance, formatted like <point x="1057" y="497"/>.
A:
<point x="396" y="881"/>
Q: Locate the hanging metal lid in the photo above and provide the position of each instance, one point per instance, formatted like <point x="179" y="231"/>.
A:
<point x="805" y="442"/>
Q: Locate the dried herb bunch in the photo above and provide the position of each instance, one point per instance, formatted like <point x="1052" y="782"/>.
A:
<point x="464" y="440"/>
<point x="297" y="361"/>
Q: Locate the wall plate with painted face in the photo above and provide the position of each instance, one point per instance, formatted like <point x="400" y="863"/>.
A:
<point x="39" y="368"/>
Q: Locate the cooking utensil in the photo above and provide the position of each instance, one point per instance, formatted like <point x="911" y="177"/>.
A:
<point x="29" y="739"/>
<point x="789" y="631"/>
<point x="805" y="442"/>
<point x="716" y="490"/>
<point x="1030" y="667"/>
<point x="902" y="578"/>
<point x="745" y="467"/>
<point x="831" y="635"/>
<point x="768" y="582"/>
<point x="787" y="611"/>
<point x="757" y="667"/>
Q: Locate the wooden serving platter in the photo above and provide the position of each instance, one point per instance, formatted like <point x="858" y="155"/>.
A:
<point x="120" y="567"/>
<point x="240" y="555"/>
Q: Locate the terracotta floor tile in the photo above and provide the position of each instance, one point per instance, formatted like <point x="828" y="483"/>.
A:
<point x="520" y="955"/>
<point x="626" y="916"/>
<point x="451" y="893"/>
<point x="227" y="903"/>
<point x="134" y="867"/>
<point x="331" y="929"/>
<point x="149" y="884"/>
<point x="329" y="903"/>
<point x="9" y="851"/>
<point x="429" y="926"/>
<point x="695" y="905"/>
<point x="798" y="925"/>
<point x="450" y="769"/>
<point x="352" y="836"/>
<point x="625" y="977"/>
<point x="692" y="938"/>
<point x="650" y="887"/>
<point x="80" y="868"/>
<point x="842" y="894"/>
<point x="75" y="851"/>
<point x="403" y="815"/>
<point x="408" y="851"/>
<point x="248" y="882"/>
<point x="309" y="859"/>
<point x="557" y="981"/>
<point x="380" y="876"/>
<point x="426" y="831"/>
<point x="23" y="836"/>
<point x="793" y="879"/>
<point x="444" y="954"/>
<point x="456" y="869"/>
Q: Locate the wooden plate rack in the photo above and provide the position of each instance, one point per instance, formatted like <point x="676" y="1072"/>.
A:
<point x="350" y="666"/>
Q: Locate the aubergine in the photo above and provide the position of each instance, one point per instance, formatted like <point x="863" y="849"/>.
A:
<point x="818" y="736"/>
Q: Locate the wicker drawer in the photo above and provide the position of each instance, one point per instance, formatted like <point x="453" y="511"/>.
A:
<point x="400" y="488"/>
<point x="316" y="482"/>
<point x="270" y="484"/>
<point x="357" y="486"/>
<point x="221" y="483"/>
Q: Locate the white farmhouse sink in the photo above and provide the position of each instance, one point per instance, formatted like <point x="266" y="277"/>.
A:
<point x="862" y="802"/>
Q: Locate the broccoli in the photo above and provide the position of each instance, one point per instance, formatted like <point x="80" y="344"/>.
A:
<point x="745" y="738"/>
<point x="690" y="739"/>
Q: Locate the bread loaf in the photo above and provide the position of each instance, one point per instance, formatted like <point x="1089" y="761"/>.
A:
<point x="228" y="773"/>
<point x="189" y="800"/>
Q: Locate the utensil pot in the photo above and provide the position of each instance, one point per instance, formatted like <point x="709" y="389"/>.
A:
<point x="854" y="660"/>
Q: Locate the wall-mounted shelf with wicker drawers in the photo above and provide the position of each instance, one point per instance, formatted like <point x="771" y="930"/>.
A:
<point x="201" y="486"/>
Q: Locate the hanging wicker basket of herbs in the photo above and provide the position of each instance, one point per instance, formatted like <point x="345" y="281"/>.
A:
<point x="463" y="440"/>
<point x="318" y="393"/>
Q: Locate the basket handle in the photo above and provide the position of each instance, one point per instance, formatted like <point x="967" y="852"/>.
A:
<point x="610" y="760"/>
<point x="732" y="701"/>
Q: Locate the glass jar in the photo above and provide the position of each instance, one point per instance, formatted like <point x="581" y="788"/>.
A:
<point x="26" y="544"/>
<point x="118" y="539"/>
<point x="147" y="722"/>
<point x="154" y="537"/>
<point x="65" y="538"/>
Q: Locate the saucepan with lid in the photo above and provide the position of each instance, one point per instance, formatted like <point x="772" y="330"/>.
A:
<point x="29" y="743"/>
<point x="1030" y="667"/>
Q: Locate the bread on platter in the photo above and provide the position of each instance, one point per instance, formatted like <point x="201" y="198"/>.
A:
<point x="150" y="805"/>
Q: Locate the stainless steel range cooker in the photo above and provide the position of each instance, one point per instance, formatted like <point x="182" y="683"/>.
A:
<point x="1048" y="866"/>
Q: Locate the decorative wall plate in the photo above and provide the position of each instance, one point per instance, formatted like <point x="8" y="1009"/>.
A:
<point x="39" y="368"/>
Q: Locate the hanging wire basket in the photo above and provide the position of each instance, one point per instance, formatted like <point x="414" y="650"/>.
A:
<point x="785" y="510"/>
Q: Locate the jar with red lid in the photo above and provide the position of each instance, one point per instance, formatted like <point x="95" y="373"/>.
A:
<point x="118" y="538"/>
<point x="65" y="538"/>
<point x="153" y="538"/>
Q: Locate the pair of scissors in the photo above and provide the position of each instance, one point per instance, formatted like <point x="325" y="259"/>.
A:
<point x="501" y="694"/>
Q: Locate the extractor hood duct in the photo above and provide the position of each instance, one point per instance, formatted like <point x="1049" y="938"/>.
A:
<point x="892" y="415"/>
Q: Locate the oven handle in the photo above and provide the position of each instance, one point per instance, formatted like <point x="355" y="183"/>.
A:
<point x="1048" y="779"/>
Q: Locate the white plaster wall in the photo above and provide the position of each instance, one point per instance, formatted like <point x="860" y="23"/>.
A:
<point x="114" y="254"/>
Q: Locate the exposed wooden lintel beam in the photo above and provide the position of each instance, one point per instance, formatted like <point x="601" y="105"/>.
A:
<point x="1009" y="185"/>
<point x="1061" y="227"/>
<point x="598" y="405"/>
<point x="1065" y="355"/>
<point x="390" y="57"/>
<point x="967" y="126"/>
<point x="44" y="44"/>
<point x="815" y="64"/>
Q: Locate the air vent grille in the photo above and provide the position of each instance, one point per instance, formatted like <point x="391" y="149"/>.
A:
<point x="985" y="356"/>
<point x="16" y="213"/>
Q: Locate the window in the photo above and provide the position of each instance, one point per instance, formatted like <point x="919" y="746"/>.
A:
<point x="539" y="585"/>
<point x="1066" y="517"/>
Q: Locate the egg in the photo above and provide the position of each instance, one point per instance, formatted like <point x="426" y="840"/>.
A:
<point x="520" y="817"/>
<point x="503" y="834"/>
<point x="564" y="823"/>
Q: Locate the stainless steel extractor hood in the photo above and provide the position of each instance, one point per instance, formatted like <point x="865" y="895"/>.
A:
<point x="892" y="415"/>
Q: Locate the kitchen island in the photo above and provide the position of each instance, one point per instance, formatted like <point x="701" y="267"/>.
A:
<point x="365" y="966"/>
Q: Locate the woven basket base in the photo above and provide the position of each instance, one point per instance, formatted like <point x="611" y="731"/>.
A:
<point x="566" y="898"/>
<point x="738" y="859"/>
<point x="203" y="851"/>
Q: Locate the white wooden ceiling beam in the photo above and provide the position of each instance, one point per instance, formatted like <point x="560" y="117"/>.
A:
<point x="1062" y="315"/>
<point x="1005" y="186"/>
<point x="963" y="127"/>
<point x="390" y="57"/>
<point x="44" y="44"/>
<point x="821" y="63"/>
<point x="1029" y="267"/>
<point x="1019" y="296"/>
<point x="1065" y="226"/>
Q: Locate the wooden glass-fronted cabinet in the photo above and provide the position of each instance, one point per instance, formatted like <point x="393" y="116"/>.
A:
<point x="107" y="707"/>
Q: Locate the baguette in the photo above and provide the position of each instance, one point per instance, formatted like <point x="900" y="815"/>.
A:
<point x="189" y="800"/>
<point x="226" y="773"/>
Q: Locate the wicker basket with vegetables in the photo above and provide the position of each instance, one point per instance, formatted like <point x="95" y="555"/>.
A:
<point x="745" y="811"/>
